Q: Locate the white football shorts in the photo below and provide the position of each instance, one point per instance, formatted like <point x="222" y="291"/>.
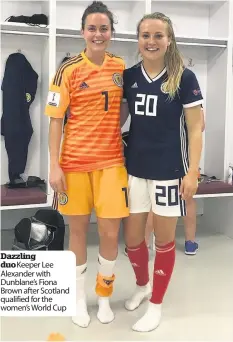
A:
<point x="160" y="196"/>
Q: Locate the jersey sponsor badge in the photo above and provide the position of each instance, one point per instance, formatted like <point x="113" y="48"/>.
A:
<point x="53" y="99"/>
<point x="117" y="79"/>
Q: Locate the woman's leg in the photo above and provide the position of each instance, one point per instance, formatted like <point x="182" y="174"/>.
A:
<point x="190" y="225"/>
<point x="134" y="234"/>
<point x="78" y="226"/>
<point x="167" y="205"/>
<point x="108" y="235"/>
<point x="111" y="204"/>
<point x="77" y="205"/>
<point x="149" y="228"/>
<point x="165" y="228"/>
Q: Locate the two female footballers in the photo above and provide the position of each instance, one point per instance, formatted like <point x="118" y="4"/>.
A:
<point x="91" y="172"/>
<point x="164" y="100"/>
<point x="163" y="155"/>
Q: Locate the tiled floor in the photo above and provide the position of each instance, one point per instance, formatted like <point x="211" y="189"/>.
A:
<point x="197" y="307"/>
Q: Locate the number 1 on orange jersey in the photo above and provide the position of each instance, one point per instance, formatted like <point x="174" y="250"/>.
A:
<point x="105" y="93"/>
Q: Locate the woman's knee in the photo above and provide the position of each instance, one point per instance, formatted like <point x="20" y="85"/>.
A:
<point x="109" y="235"/>
<point x="109" y="229"/>
<point x="165" y="229"/>
<point x="163" y="241"/>
<point x="134" y="229"/>
<point x="78" y="225"/>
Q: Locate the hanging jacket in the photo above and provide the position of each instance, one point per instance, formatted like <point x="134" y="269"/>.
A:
<point x="19" y="88"/>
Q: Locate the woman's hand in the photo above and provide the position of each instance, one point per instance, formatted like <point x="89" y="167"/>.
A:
<point x="57" y="179"/>
<point x="189" y="185"/>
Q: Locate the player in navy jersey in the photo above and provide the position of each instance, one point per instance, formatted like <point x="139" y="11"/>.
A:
<point x="190" y="246"/>
<point x="163" y="154"/>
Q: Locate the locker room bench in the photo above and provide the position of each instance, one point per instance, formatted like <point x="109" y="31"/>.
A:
<point x="214" y="189"/>
<point x="11" y="197"/>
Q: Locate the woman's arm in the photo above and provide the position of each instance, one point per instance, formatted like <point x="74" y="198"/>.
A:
<point x="57" y="178"/>
<point x="202" y="120"/>
<point x="55" y="134"/>
<point x="194" y="123"/>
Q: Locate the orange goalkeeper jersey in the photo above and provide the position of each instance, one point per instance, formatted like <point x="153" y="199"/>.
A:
<point x="93" y="94"/>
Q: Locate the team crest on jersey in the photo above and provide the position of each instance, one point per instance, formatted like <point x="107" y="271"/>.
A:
<point x="163" y="88"/>
<point x="28" y="97"/>
<point x="117" y="79"/>
<point x="63" y="198"/>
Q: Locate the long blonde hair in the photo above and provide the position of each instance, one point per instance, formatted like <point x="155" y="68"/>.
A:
<point x="173" y="59"/>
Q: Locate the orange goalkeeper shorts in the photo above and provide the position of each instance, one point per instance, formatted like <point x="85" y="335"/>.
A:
<point x="106" y="191"/>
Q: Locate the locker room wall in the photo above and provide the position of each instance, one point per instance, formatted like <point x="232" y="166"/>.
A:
<point x="208" y="58"/>
<point x="126" y="13"/>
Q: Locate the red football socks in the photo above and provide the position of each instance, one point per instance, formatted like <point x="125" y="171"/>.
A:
<point x="163" y="268"/>
<point x="139" y="258"/>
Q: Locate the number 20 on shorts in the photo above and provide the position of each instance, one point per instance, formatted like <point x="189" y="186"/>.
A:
<point x="167" y="195"/>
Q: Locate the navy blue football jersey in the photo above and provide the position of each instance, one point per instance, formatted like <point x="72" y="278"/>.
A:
<point x="158" y="138"/>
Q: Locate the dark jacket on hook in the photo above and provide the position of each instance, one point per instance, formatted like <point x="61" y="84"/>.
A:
<point x="19" y="88"/>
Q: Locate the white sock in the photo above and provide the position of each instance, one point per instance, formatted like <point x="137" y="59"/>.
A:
<point x="105" y="314"/>
<point x="140" y="293"/>
<point x="150" y="320"/>
<point x="106" y="267"/>
<point x="82" y="317"/>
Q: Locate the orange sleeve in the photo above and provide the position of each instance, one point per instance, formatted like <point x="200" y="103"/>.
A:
<point x="59" y="95"/>
<point x="124" y="65"/>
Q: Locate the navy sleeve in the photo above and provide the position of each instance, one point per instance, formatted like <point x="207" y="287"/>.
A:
<point x="190" y="92"/>
<point x="124" y="86"/>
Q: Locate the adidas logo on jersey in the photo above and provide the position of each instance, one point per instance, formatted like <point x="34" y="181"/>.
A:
<point x="134" y="85"/>
<point x="83" y="85"/>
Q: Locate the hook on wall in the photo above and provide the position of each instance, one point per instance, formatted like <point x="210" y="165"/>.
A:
<point x="19" y="51"/>
<point x="190" y="63"/>
<point x="67" y="54"/>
